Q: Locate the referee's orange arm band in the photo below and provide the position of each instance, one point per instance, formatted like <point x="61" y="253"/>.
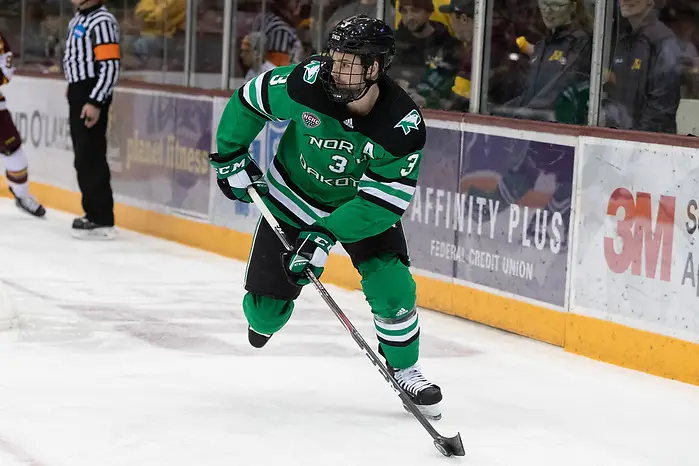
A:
<point x="279" y="58"/>
<point x="107" y="52"/>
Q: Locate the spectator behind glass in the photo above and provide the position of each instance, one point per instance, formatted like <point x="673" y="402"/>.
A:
<point x="427" y="56"/>
<point x="304" y="32"/>
<point x="643" y="87"/>
<point x="508" y="64"/>
<point x="359" y="7"/>
<point x="209" y="36"/>
<point x="461" y="18"/>
<point x="33" y="41"/>
<point x="160" y="21"/>
<point x="53" y="28"/>
<point x="251" y="49"/>
<point x="280" y="21"/>
<point x="557" y="85"/>
<point x="683" y="18"/>
<point x="436" y="15"/>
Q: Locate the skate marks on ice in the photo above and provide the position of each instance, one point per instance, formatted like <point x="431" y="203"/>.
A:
<point x="195" y="317"/>
<point x="13" y="454"/>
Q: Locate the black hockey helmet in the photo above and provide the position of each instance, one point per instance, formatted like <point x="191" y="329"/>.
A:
<point x="368" y="39"/>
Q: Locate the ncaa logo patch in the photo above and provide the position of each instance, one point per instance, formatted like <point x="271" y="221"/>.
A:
<point x="310" y="120"/>
<point x="79" y="31"/>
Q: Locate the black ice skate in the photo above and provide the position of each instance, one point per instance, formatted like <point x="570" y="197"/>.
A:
<point x="258" y="340"/>
<point x="87" y="229"/>
<point x="29" y="205"/>
<point x="422" y="392"/>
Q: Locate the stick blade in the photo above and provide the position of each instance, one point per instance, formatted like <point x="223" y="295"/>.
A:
<point x="450" y="446"/>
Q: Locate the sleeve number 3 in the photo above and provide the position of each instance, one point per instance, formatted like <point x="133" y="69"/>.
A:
<point x="340" y="164"/>
<point x="8" y="59"/>
<point x="412" y="161"/>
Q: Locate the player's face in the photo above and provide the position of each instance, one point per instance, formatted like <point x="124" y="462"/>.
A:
<point x="347" y="70"/>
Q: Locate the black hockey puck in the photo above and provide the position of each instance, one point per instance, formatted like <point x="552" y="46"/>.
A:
<point x="442" y="448"/>
<point x="450" y="446"/>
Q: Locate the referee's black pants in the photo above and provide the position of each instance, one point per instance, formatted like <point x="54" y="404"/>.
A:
<point x="90" y="148"/>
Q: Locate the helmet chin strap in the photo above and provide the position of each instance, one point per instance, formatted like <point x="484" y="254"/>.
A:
<point x="349" y="95"/>
<point x="368" y="83"/>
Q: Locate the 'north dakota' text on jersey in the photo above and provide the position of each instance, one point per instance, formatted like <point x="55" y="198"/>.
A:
<point x="352" y="175"/>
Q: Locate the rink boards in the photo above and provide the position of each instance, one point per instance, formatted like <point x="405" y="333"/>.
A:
<point x="580" y="241"/>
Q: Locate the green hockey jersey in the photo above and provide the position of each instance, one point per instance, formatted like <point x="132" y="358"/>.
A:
<point x="351" y="175"/>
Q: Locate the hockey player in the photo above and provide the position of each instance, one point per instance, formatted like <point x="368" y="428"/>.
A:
<point x="11" y="151"/>
<point x="345" y="171"/>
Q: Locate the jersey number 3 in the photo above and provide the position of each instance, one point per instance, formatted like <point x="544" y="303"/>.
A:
<point x="412" y="160"/>
<point x="339" y="165"/>
<point x="278" y="79"/>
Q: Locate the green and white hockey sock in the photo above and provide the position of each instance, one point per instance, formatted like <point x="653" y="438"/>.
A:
<point x="399" y="339"/>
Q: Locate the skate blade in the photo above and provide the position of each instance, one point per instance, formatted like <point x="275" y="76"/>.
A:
<point x="37" y="214"/>
<point x="431" y="412"/>
<point x="98" y="234"/>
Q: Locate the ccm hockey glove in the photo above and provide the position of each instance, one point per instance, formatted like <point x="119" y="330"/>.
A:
<point x="235" y="173"/>
<point x="311" y="251"/>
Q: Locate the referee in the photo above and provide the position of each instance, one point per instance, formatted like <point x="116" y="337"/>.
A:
<point x="91" y="66"/>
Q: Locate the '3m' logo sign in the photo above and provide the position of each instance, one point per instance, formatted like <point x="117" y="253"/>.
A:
<point x="637" y="234"/>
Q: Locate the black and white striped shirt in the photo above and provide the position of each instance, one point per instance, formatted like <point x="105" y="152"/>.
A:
<point x="280" y="37"/>
<point x="92" y="51"/>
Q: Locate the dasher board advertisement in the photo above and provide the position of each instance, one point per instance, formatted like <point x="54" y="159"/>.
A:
<point x="637" y="219"/>
<point x="494" y="211"/>
<point x="39" y="109"/>
<point x="159" y="146"/>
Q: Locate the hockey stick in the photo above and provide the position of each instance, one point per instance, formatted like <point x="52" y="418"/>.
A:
<point x="447" y="446"/>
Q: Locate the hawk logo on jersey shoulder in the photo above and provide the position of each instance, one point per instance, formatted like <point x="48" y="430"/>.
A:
<point x="311" y="71"/>
<point x="409" y="121"/>
<point x="310" y="120"/>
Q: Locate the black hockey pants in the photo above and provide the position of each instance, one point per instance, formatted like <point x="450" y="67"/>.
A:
<point x="90" y="148"/>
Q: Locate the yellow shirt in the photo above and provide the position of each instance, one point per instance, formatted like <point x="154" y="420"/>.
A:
<point x="436" y="14"/>
<point x="162" y="17"/>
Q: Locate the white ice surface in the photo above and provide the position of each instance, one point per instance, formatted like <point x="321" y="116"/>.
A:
<point x="134" y="353"/>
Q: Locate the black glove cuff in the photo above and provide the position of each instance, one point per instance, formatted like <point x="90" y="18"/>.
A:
<point x="220" y="158"/>
<point x="319" y="229"/>
<point x="253" y="170"/>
